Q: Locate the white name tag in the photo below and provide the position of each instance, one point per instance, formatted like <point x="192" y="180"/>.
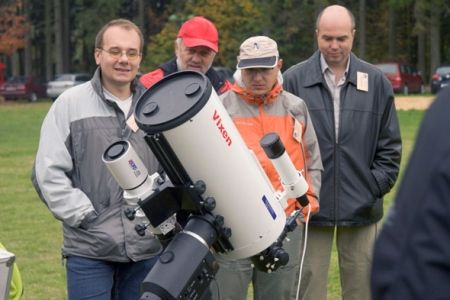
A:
<point x="131" y="122"/>
<point x="362" y="82"/>
<point x="297" y="134"/>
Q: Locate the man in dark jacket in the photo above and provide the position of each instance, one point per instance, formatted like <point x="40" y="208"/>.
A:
<point x="352" y="108"/>
<point x="412" y="254"/>
<point x="196" y="47"/>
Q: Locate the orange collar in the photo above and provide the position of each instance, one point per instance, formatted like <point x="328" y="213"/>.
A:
<point x="258" y="100"/>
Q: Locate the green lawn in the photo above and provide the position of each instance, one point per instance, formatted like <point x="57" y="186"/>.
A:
<point x="30" y="231"/>
<point x="409" y="122"/>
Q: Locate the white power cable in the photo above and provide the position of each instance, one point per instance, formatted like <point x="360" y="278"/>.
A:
<point x="305" y="241"/>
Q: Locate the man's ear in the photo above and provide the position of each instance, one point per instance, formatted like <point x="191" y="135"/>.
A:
<point x="280" y="63"/>
<point x="177" y="46"/>
<point x="97" y="53"/>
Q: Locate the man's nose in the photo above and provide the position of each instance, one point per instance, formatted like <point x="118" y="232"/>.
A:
<point x="123" y="57"/>
<point x="258" y="76"/>
<point x="334" y="43"/>
<point x="196" y="57"/>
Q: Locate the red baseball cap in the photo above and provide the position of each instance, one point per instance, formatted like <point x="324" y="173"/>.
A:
<point x="199" y="31"/>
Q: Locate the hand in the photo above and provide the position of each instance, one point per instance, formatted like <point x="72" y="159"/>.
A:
<point x="300" y="219"/>
<point x="303" y="217"/>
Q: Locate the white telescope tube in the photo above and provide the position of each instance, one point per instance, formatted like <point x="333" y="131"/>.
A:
<point x="132" y="176"/>
<point x="203" y="136"/>
<point x="129" y="171"/>
<point x="292" y="180"/>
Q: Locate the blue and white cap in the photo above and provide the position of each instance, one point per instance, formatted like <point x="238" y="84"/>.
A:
<point x="258" y="52"/>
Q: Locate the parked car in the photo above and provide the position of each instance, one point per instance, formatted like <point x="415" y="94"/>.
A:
<point x="440" y="78"/>
<point x="64" y="81"/>
<point x="404" y="77"/>
<point x="23" y="87"/>
<point x="225" y="72"/>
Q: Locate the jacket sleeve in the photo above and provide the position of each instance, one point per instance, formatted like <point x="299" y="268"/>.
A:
<point x="52" y="165"/>
<point x="386" y="163"/>
<point x="412" y="253"/>
<point x="311" y="152"/>
<point x="225" y="87"/>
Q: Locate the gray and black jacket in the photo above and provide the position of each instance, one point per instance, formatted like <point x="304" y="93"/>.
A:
<point x="72" y="180"/>
<point x="363" y="165"/>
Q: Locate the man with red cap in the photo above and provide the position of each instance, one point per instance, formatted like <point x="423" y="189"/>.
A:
<point x="196" y="46"/>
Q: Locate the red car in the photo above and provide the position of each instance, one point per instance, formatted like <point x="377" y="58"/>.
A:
<point x="23" y="87"/>
<point x="404" y="78"/>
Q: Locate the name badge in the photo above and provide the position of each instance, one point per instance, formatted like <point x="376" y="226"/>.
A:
<point x="297" y="134"/>
<point x="362" y="82"/>
<point x="131" y="122"/>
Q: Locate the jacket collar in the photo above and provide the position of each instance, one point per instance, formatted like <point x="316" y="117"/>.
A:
<point x="217" y="82"/>
<point x="96" y="83"/>
<point x="250" y="98"/>
<point x="314" y="69"/>
<point x="169" y="67"/>
<point x="136" y="87"/>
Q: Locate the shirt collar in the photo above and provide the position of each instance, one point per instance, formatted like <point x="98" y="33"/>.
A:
<point x="325" y="67"/>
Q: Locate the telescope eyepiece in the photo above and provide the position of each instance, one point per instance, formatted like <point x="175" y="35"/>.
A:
<point x="272" y="145"/>
<point x="115" y="151"/>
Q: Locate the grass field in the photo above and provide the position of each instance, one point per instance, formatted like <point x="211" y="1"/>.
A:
<point x="30" y="231"/>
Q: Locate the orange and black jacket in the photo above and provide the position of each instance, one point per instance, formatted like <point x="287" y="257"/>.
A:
<point x="279" y="112"/>
<point x="220" y="84"/>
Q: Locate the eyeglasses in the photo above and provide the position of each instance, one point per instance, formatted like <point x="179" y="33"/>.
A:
<point x="117" y="53"/>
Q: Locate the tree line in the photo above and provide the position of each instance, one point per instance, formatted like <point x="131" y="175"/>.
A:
<point x="47" y="37"/>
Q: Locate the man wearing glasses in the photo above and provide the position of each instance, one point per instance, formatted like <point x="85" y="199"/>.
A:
<point x="196" y="47"/>
<point x="105" y="257"/>
<point x="258" y="105"/>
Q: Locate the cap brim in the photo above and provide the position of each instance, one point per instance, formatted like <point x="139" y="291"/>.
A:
<point x="191" y="42"/>
<point x="260" y="62"/>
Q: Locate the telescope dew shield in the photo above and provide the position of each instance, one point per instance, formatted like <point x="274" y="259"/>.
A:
<point x="293" y="182"/>
<point x="185" y="108"/>
<point x="128" y="170"/>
